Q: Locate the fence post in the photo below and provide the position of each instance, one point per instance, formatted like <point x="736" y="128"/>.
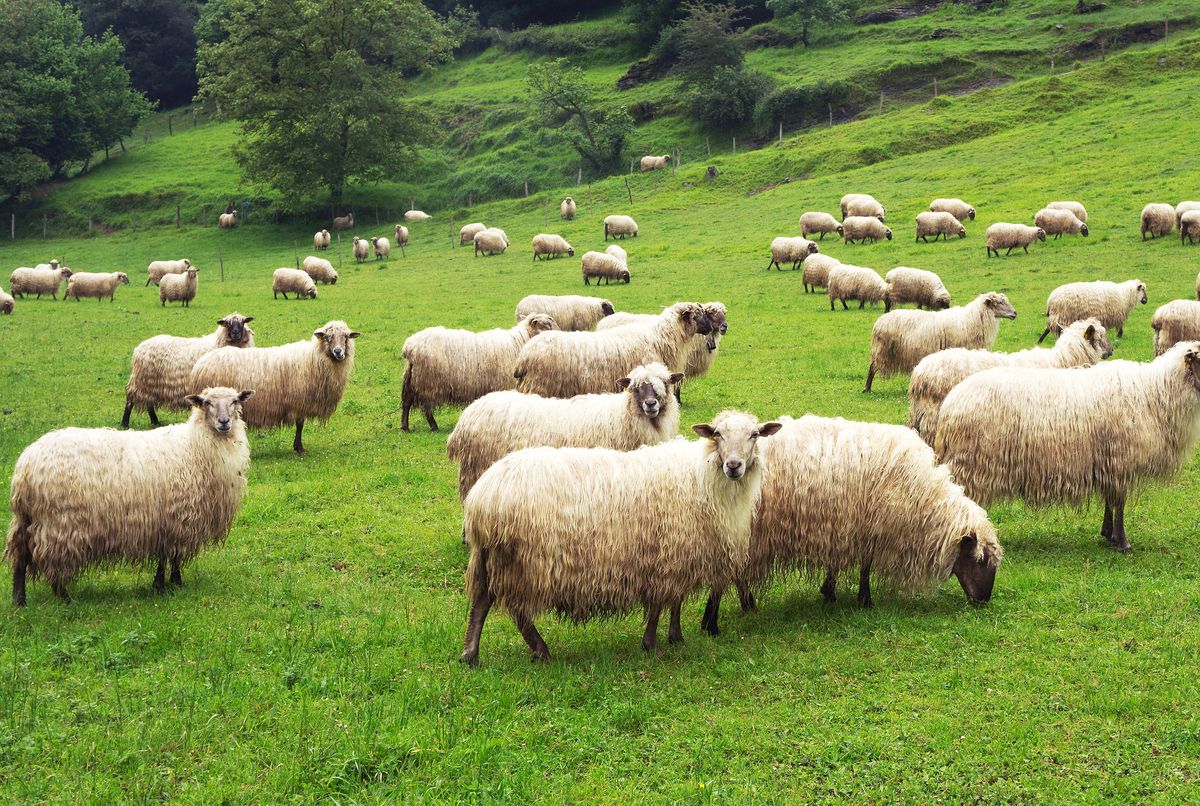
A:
<point x="89" y="224"/>
<point x="171" y="125"/>
<point x="735" y="145"/>
<point x="221" y="257"/>
<point x="781" y="132"/>
<point x="935" y="88"/>
<point x="707" y="148"/>
<point x="830" y="115"/>
<point x="630" y="166"/>
<point x="178" y="222"/>
<point x="1051" y="65"/>
<point x="589" y="196"/>
<point x="43" y="226"/>
<point x="630" y="192"/>
<point x="339" y="250"/>
<point x="296" y="252"/>
<point x="193" y="117"/>
<point x="133" y="219"/>
<point x="881" y="102"/>
<point x="579" y="176"/>
<point x="526" y="188"/>
<point x="12" y="228"/>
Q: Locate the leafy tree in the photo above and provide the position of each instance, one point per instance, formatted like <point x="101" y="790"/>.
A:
<point x="809" y="13"/>
<point x="707" y="40"/>
<point x="652" y="18"/>
<point x="316" y="86"/>
<point x="597" y="133"/>
<point x="728" y="97"/>
<point x="111" y="107"/>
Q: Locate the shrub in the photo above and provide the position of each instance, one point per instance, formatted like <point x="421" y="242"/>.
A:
<point x="799" y="106"/>
<point x="727" y="100"/>
<point x="563" y="42"/>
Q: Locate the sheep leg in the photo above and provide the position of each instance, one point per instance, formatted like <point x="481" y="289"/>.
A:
<point x="829" y="587"/>
<point x="176" y="575"/>
<point x="297" y="443"/>
<point x="870" y="376"/>
<point x="1119" y="538"/>
<point x="60" y="590"/>
<point x="675" y="632"/>
<point x="1120" y="332"/>
<point x="1045" y="333"/>
<point x="864" y="586"/>
<point x="862" y="303"/>
<point x="650" y="637"/>
<point x="1026" y="248"/>
<point x="845" y="307"/>
<point x="712" y="609"/>
<point x="532" y="637"/>
<point x="160" y="583"/>
<point x="153" y="416"/>
<point x="1009" y="252"/>
<point x="125" y="416"/>
<point x="429" y="417"/>
<point x="746" y="598"/>
<point x="22" y="557"/>
<point x="481" y="603"/>
<point x="147" y="282"/>
<point x="1106" y="528"/>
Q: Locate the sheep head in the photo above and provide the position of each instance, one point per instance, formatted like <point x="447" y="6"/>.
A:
<point x="999" y="305"/>
<point x="962" y="232"/>
<point x="977" y="563"/>
<point x="1041" y="234"/>
<point x="650" y="386"/>
<point x="1191" y="360"/>
<point x="537" y="323"/>
<point x="220" y="406"/>
<point x="122" y="278"/>
<point x="942" y="300"/>
<point x="888" y="232"/>
<point x="1094" y="334"/>
<point x="236" y="331"/>
<point x="971" y="213"/>
<point x="1141" y="287"/>
<point x="1083" y="230"/>
<point x="733" y="437"/>
<point x="813" y="249"/>
<point x="606" y="308"/>
<point x="336" y="340"/>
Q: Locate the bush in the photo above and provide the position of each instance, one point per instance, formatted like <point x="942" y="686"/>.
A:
<point x="560" y="42"/>
<point x="463" y="24"/>
<point x="728" y="99"/>
<point x="798" y="106"/>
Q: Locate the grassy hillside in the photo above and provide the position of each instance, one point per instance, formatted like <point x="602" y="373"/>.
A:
<point x="315" y="653"/>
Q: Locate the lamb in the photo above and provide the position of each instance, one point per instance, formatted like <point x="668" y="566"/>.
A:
<point x="383" y="248"/>
<point x="38" y="281"/>
<point x="361" y="249"/>
<point x="1108" y="302"/>
<point x="87" y="284"/>
<point x="651" y="163"/>
<point x="1183" y="207"/>
<point x="447" y="367"/>
<point x="660" y="522"/>
<point x="703" y="347"/>
<point x="491" y="241"/>
<point x="570" y="312"/>
<point x="178" y="288"/>
<point x="864" y="228"/>
<point x="1059" y="223"/>
<point x="162" y="365"/>
<point x="321" y="240"/>
<point x="819" y="222"/>
<point x="916" y="285"/>
<point x="791" y="250"/>
<point x="548" y="246"/>
<point x="643" y="413"/>
<point x="1010" y="236"/>
<point x="816" y="271"/>
<point x="938" y="224"/>
<point x="1189" y="226"/>
<point x="846" y="281"/>
<point x="840" y="495"/>
<point x="416" y="215"/>
<point x="467" y="234"/>
<point x="1075" y="208"/>
<point x="861" y="204"/>
<point x="343" y="222"/>
<point x="1178" y="320"/>
<point x="157" y="268"/>
<point x="563" y="364"/>
<point x="401" y="238"/>
<point x="955" y="207"/>
<point x="1081" y="344"/>
<point x="1157" y="219"/>
<point x="296" y="382"/>
<point x="1064" y="435"/>
<point x="604" y="265"/>
<point x="320" y="270"/>
<point x="566" y="210"/>
<point x="296" y="281"/>
<point x="620" y="226"/>
<point x="900" y="339"/>
<point x="82" y="496"/>
<point x="227" y="220"/>
<point x="6" y="302"/>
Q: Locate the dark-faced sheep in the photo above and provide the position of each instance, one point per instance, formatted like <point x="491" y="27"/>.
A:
<point x="1108" y="302"/>
<point x="1010" y="236"/>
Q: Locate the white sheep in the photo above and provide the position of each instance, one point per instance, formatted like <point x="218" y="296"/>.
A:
<point x="468" y="232"/>
<point x="1059" y="223"/>
<point x="297" y="282"/>
<point x="652" y="163"/>
<point x="320" y="270"/>
<point x="1176" y="321"/>
<point x="38" y="280"/>
<point x="569" y="311"/>
<point x="924" y="288"/>
<point x="620" y="226"/>
<point x="1009" y="236"/>
<point x="1189" y="226"/>
<point x="861" y="204"/>
<point x="321" y="239"/>
<point x="491" y="241"/>
<point x="812" y="222"/>
<point x="401" y="238"/>
<point x="178" y="288"/>
<point x="88" y="284"/>
<point x="955" y="207"/>
<point x="938" y="224"/>
<point x="703" y="347"/>
<point x="227" y="220"/>
<point x="1157" y="219"/>
<point x="416" y="215"/>
<point x="1075" y="208"/>
<point x="816" y="271"/>
<point x="361" y="249"/>
<point x="791" y="250"/>
<point x="546" y="246"/>
<point x="604" y="265"/>
<point x="566" y="210"/>
<point x="6" y="302"/>
<point x="157" y="268"/>
<point x="383" y="248"/>
<point x="343" y="222"/>
<point x="1108" y="302"/>
<point x="1183" y="207"/>
<point x="846" y="281"/>
<point x="857" y="228"/>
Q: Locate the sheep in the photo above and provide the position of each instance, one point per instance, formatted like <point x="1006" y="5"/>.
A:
<point x="416" y="215"/>
<point x="86" y="284"/>
<point x="816" y="271"/>
<point x="321" y="240"/>
<point x="703" y="347"/>
<point x="1059" y="223"/>
<point x="157" y="268"/>
<point x="549" y="246"/>
<point x="1157" y="219"/>
<point x="1081" y="344"/>
<point x="620" y="226"/>
<point x="343" y="222"/>
<point x="570" y="311"/>
<point x="955" y="207"/>
<point x="938" y="224"/>
<point x="320" y="270"/>
<point x="652" y="163"/>
<point x="467" y="234"/>
<point x="361" y="249"/>
<point x="304" y="380"/>
<point x="491" y="241"/>
<point x="900" y="339"/>
<point x="819" y="222"/>
<point x="38" y="281"/>
<point x="227" y="220"/>
<point x="401" y="238"/>
<point x="161" y="366"/>
<point x="296" y="281"/>
<point x="52" y="265"/>
<point x="617" y="252"/>
<point x="644" y="412"/>
<point x="840" y="495"/>
<point x="1108" y="302"/>
<point x="791" y="250"/>
<point x="383" y="248"/>
<point x="846" y="281"/>
<point x="1189" y="226"/>
<point x="864" y="228"/>
<point x="178" y="288"/>
<point x="1183" y="207"/>
<point x="563" y="364"/>
<point x="82" y="496"/>
<point x="861" y="204"/>
<point x="659" y="523"/>
<point x="1009" y="236"/>
<point x="566" y="210"/>
<point x="916" y="285"/>
<point x="603" y="265"/>
<point x="447" y="367"/>
<point x="1064" y="435"/>
<point x="1176" y="321"/>
<point x="1075" y="208"/>
<point x="6" y="302"/>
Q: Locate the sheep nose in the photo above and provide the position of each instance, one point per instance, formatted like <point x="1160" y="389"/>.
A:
<point x="338" y="354"/>
<point x="733" y="467"/>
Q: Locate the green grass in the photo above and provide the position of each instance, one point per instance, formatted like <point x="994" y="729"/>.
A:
<point x="275" y="676"/>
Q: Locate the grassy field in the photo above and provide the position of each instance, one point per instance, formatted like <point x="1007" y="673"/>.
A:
<point x="315" y="653"/>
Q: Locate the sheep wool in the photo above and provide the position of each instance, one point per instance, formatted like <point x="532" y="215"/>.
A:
<point x="401" y="236"/>
<point x="491" y="241"/>
<point x="1073" y="207"/>
<point x="320" y="270"/>
<point x="791" y="250"/>
<point x="343" y="222"/>
<point x="620" y="226"/>
<point x="1110" y="303"/>
<point x="227" y="220"/>
<point x="157" y="268"/>
<point x="546" y="246"/>
<point x="38" y="281"/>
<point x="416" y="215"/>
<point x="321" y="239"/>
<point x="1059" y="223"/>
<point x="819" y="222"/>
<point x="569" y="311"/>
<point x="924" y="288"/>
<point x="861" y="229"/>
<point x="846" y="281"/>
<point x="361" y="249"/>
<point x="652" y="163"/>
<point x="1157" y="219"/>
<point x="1003" y="235"/>
<point x="938" y="224"/>
<point x="468" y="232"/>
<point x="816" y="271"/>
<point x="6" y="302"/>
<point x="566" y="210"/>
<point x="861" y="204"/>
<point x="300" y="283"/>
<point x="1178" y="320"/>
<point x="1189" y="226"/>
<point x="701" y="350"/>
<point x="955" y="207"/>
<point x="383" y="248"/>
<point x="178" y="288"/>
<point x="85" y="284"/>
<point x="603" y="266"/>
<point x="1183" y="207"/>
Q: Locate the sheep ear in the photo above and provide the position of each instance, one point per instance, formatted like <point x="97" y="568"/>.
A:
<point x="354" y="334"/>
<point x="623" y="382"/>
<point x="223" y="322"/>
<point x="320" y="334"/>
<point x="1090" y="333"/>
<point x="705" y="430"/>
<point x="245" y="395"/>
<point x="968" y="542"/>
<point x="248" y="320"/>
<point x="768" y="429"/>
<point x="195" y="400"/>
<point x="676" y="377"/>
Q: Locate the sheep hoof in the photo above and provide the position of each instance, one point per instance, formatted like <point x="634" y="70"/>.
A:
<point x="469" y="658"/>
<point x="541" y="656"/>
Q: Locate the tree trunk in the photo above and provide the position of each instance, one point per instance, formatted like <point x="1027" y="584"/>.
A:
<point x="804" y="35"/>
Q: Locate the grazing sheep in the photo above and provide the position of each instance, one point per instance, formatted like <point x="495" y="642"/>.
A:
<point x="918" y="286"/>
<point x="620" y="226"/>
<point x="1183" y="207"/>
<point x="643" y="413"/>
<point x="570" y="311"/>
<point x="861" y="204"/>
<point x="298" y="282"/>
<point x="361" y="249"/>
<point x="304" y="380"/>
<point x="864" y="228"/>
<point x="82" y="496"/>
<point x="1051" y="436"/>
<point x="87" y="284"/>
<point x="52" y="265"/>
<point x="416" y="215"/>
<point x="1110" y="303"/>
<point x="819" y="222"/>
<point x="1157" y="219"/>
<point x="566" y="210"/>
<point x="548" y="246"/>
<point x="343" y="222"/>
<point x="468" y="232"/>
<point x="179" y="288"/>
<point x="791" y="250"/>
<point x="401" y="237"/>
<point x="651" y="163"/>
<point x="955" y="207"/>
<point x="448" y="367"/>
<point x="6" y="302"/>
<point x="1189" y="226"/>
<point x="900" y="339"/>
<point x="603" y="265"/>
<point x="157" y="268"/>
<point x="1081" y="344"/>
<point x="659" y="522"/>
<point x="1010" y="236"/>
<point x="846" y="281"/>
<point x="322" y="239"/>
<point x="227" y="220"/>
<point x="383" y="248"/>
<point x="816" y="271"/>
<point x="563" y="364"/>
<point x="1178" y="320"/>
<point x="840" y="495"/>
<point x="1075" y="208"/>
<point x="320" y="270"/>
<point x="1059" y="223"/>
<point x="38" y="281"/>
<point x="491" y="241"/>
<point x="161" y="366"/>
<point x="938" y="224"/>
<point x="703" y="347"/>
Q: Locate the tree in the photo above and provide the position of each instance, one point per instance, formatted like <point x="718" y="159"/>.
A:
<point x="113" y="108"/>
<point x="809" y="13"/>
<point x="317" y="88"/>
<point x="707" y="40"/>
<point x="597" y="134"/>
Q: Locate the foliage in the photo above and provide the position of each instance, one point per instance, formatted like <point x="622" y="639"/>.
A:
<point x="513" y="14"/>
<point x="463" y="24"/>
<point x="800" y="106"/>
<point x="707" y="39"/>
<point x="596" y="131"/>
<point x="560" y="41"/>
<point x="810" y="13"/>
<point x="726" y="100"/>
<point x="651" y="19"/>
